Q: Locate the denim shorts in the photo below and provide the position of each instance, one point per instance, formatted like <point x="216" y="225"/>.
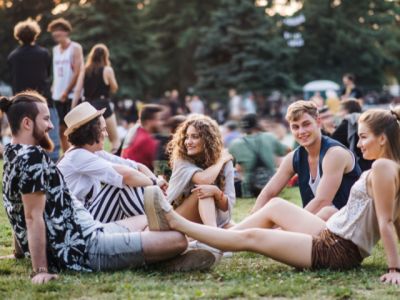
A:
<point x="115" y="248"/>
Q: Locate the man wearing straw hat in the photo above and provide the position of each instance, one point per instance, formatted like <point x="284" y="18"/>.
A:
<point x="110" y="187"/>
<point x="53" y="228"/>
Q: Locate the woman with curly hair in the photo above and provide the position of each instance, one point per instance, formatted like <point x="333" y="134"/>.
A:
<point x="202" y="184"/>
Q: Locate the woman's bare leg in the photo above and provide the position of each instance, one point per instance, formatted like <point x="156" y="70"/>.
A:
<point x="286" y="215"/>
<point x="189" y="209"/>
<point x="290" y="248"/>
<point x="111" y="124"/>
<point x="199" y="211"/>
<point x="207" y="212"/>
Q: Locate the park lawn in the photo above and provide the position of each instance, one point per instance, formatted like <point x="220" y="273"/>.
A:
<point x="245" y="275"/>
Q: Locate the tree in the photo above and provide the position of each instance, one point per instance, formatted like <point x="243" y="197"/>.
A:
<point x="176" y="28"/>
<point x="243" y="48"/>
<point x="361" y="37"/>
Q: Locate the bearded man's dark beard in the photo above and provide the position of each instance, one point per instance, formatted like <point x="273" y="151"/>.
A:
<point x="43" y="139"/>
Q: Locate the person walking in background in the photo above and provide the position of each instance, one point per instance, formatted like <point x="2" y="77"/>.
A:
<point x="346" y="133"/>
<point x="98" y="85"/>
<point x="139" y="144"/>
<point x="350" y="90"/>
<point x="202" y="181"/>
<point x="30" y="67"/>
<point x="235" y="105"/>
<point x="67" y="68"/>
<point x="326" y="169"/>
<point x="196" y="105"/>
<point x="256" y="149"/>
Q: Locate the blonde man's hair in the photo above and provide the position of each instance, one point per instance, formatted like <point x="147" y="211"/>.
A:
<point x="298" y="108"/>
<point x="26" y="32"/>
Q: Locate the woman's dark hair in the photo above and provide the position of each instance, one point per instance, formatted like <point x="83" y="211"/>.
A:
<point x="87" y="134"/>
<point x="351" y="106"/>
<point x="22" y="105"/>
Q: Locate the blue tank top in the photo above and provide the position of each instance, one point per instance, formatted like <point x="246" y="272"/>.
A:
<point x="302" y="168"/>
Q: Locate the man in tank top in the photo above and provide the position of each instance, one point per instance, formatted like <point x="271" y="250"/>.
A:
<point x="67" y="69"/>
<point x="326" y="169"/>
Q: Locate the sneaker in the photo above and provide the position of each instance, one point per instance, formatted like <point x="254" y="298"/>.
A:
<point x="198" y="245"/>
<point x="191" y="260"/>
<point x="155" y="207"/>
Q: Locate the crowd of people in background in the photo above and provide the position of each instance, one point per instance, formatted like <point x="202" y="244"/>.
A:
<point x="116" y="197"/>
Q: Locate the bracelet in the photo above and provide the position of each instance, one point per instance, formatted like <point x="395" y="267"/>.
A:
<point x="39" y="271"/>
<point x="393" y="270"/>
<point x="154" y="181"/>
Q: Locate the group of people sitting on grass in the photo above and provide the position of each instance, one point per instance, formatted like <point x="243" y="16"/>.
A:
<point x="94" y="211"/>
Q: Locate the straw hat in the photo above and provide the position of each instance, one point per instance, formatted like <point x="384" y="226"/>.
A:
<point x="80" y="115"/>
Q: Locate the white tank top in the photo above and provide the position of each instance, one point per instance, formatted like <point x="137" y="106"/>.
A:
<point x="62" y="71"/>
<point x="357" y="220"/>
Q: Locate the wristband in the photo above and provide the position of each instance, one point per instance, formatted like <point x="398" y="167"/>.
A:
<point x="154" y="181"/>
<point x="393" y="270"/>
<point x="39" y="271"/>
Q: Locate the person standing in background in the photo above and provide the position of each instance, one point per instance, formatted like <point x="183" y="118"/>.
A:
<point x="30" y="67"/>
<point x="67" y="68"/>
<point x="350" y="89"/>
<point x="99" y="83"/>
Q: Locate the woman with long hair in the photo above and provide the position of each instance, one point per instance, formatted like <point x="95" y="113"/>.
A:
<point x="306" y="241"/>
<point x="99" y="84"/>
<point x="202" y="183"/>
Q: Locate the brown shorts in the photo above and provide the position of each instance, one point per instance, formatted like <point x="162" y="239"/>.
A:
<point x="330" y="251"/>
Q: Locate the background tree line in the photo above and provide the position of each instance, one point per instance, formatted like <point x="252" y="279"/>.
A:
<point x="210" y="46"/>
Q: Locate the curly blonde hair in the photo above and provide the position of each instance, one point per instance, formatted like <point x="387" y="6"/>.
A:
<point x="210" y="134"/>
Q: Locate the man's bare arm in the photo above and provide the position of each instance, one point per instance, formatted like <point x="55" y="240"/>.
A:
<point x="277" y="182"/>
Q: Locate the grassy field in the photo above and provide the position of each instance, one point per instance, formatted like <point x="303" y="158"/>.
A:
<point x="244" y="276"/>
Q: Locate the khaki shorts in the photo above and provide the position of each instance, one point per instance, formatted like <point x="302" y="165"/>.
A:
<point x="115" y="248"/>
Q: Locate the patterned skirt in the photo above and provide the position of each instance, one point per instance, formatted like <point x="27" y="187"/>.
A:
<point x="330" y="251"/>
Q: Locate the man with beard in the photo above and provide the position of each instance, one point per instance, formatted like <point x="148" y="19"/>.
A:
<point x="326" y="169"/>
<point x="53" y="228"/>
<point x="140" y="145"/>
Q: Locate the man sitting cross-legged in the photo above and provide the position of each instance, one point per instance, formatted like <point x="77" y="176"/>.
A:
<point x="54" y="228"/>
<point x="326" y="169"/>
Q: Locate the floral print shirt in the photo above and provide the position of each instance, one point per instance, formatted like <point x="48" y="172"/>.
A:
<point x="28" y="169"/>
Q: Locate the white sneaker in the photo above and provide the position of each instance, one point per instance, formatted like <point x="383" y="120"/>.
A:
<point x="199" y="245"/>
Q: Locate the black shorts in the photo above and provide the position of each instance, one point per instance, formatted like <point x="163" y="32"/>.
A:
<point x="62" y="109"/>
<point x="102" y="103"/>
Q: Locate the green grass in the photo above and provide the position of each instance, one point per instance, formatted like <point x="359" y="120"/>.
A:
<point x="245" y="275"/>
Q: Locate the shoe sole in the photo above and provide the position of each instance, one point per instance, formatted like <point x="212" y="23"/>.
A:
<point x="155" y="214"/>
<point x="192" y="260"/>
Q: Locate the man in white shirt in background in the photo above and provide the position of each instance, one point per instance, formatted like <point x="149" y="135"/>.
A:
<point x="67" y="69"/>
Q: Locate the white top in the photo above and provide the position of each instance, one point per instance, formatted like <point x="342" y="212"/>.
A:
<point x="357" y="220"/>
<point x="62" y="70"/>
<point x="314" y="183"/>
<point x="84" y="171"/>
<point x="196" y="106"/>
<point x="180" y="185"/>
